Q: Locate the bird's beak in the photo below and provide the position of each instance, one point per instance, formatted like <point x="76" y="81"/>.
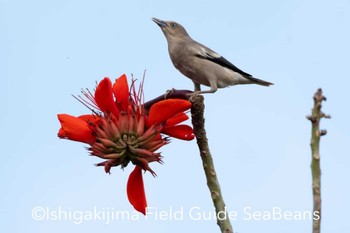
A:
<point x="160" y="23"/>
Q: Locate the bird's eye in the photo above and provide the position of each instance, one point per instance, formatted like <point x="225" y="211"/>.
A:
<point x="173" y="25"/>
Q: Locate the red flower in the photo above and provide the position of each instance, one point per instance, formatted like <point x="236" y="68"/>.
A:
<point x="75" y="128"/>
<point x="121" y="131"/>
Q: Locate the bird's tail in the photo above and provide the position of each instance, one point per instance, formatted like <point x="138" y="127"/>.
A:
<point x="259" y="81"/>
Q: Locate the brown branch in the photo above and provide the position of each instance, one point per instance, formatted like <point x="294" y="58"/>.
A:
<point x="316" y="134"/>
<point x="172" y="94"/>
<point x="197" y="112"/>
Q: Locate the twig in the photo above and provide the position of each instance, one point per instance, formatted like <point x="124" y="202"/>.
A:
<point x="316" y="134"/>
<point x="171" y="94"/>
<point x="197" y="112"/>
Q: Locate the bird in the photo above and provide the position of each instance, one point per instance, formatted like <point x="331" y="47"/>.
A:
<point x="201" y="64"/>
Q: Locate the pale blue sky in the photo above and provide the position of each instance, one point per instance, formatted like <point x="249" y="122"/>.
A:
<point x="259" y="136"/>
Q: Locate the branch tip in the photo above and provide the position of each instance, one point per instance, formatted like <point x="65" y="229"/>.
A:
<point x="316" y="133"/>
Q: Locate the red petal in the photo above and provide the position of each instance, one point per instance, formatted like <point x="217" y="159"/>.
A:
<point x="104" y="97"/>
<point x="121" y="92"/>
<point x="183" y="132"/>
<point x="136" y="190"/>
<point x="75" y="129"/>
<point x="89" y="118"/>
<point x="163" y="110"/>
<point x="178" y="118"/>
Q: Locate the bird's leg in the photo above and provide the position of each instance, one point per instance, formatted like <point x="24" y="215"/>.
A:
<point x="205" y="92"/>
<point x="213" y="89"/>
<point x="197" y="87"/>
<point x="197" y="90"/>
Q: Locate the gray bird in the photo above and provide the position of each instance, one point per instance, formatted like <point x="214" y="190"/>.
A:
<point x="201" y="64"/>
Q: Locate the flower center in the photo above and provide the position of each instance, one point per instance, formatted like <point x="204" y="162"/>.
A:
<point x="124" y="140"/>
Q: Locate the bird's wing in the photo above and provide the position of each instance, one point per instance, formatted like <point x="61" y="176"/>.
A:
<point x="206" y="53"/>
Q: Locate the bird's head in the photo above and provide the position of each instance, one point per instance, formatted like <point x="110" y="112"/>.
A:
<point x="171" y="29"/>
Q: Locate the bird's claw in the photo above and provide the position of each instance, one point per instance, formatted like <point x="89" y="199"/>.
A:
<point x="168" y="92"/>
<point x="194" y="95"/>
